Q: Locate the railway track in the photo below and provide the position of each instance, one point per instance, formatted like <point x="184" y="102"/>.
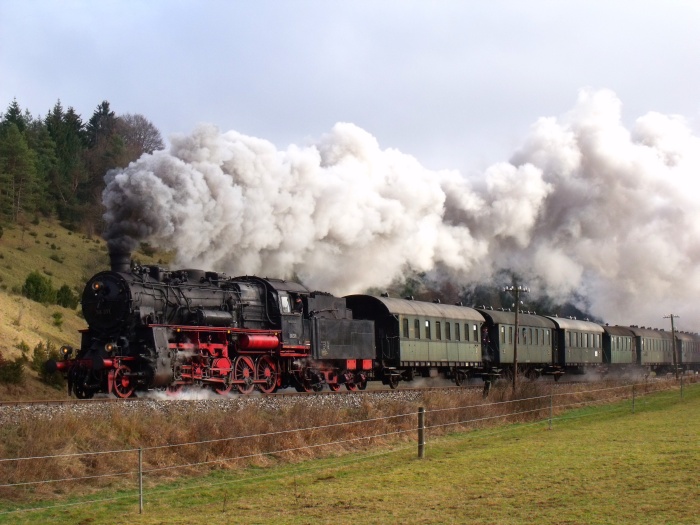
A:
<point x="206" y="395"/>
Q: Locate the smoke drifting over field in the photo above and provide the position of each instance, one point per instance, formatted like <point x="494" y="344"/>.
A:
<point x="584" y="206"/>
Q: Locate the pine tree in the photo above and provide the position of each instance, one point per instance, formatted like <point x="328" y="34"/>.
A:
<point x="18" y="185"/>
<point x="14" y="116"/>
<point x="68" y="133"/>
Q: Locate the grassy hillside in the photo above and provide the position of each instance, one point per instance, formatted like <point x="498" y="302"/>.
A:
<point x="61" y="255"/>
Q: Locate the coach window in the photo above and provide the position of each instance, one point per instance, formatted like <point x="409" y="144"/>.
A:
<point x="510" y="334"/>
<point x="503" y="334"/>
<point x="457" y="334"/>
<point x="438" y="331"/>
<point x="416" y="328"/>
<point x="476" y="334"/>
<point x="447" y="331"/>
<point x="405" y="327"/>
<point x="549" y="341"/>
<point x="531" y="335"/>
<point x="466" y="332"/>
<point x="427" y="329"/>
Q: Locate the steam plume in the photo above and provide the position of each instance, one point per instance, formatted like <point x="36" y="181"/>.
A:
<point x="584" y="206"/>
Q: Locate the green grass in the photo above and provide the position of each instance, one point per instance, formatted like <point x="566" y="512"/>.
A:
<point x="598" y="465"/>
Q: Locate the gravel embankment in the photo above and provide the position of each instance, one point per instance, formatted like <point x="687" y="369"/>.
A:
<point x="14" y="414"/>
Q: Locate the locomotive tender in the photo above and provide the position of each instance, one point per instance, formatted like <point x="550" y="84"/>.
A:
<point x="149" y="328"/>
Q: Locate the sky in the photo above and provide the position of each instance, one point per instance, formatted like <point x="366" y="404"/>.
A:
<point x="454" y="83"/>
<point x="556" y="138"/>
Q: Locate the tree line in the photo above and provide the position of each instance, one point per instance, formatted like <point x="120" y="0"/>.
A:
<point x="55" y="165"/>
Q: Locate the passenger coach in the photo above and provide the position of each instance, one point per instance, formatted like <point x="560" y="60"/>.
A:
<point x="579" y="344"/>
<point x="534" y="337"/>
<point x="426" y="339"/>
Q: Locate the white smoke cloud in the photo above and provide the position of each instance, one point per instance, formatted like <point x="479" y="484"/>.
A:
<point x="585" y="206"/>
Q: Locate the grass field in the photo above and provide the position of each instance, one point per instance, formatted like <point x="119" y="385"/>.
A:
<point x="598" y="465"/>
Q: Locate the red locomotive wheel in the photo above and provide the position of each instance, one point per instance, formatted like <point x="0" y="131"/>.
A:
<point x="244" y="370"/>
<point x="266" y="370"/>
<point x="334" y="386"/>
<point x="351" y="386"/>
<point x="221" y="368"/>
<point x="123" y="386"/>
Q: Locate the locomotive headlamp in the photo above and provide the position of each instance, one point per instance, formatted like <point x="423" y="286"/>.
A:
<point x="66" y="351"/>
<point x="97" y="286"/>
<point x="110" y="347"/>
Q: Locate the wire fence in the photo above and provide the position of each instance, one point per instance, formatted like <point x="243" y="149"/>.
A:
<point x="396" y="432"/>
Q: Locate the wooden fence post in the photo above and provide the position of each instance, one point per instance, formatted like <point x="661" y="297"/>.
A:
<point x="421" y="433"/>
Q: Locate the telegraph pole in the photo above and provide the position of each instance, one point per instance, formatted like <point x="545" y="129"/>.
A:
<point x="673" y="341"/>
<point x="516" y="291"/>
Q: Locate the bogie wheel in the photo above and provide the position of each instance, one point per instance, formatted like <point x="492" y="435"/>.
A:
<point x="266" y="370"/>
<point x="393" y="382"/>
<point x="458" y="378"/>
<point x="123" y="386"/>
<point x="244" y="370"/>
<point x="362" y="385"/>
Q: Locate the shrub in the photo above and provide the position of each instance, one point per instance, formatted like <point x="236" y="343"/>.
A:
<point x="55" y="257"/>
<point x="24" y="348"/>
<point x="38" y="288"/>
<point x="11" y="372"/>
<point x="41" y="354"/>
<point x="66" y="298"/>
<point x="57" y="319"/>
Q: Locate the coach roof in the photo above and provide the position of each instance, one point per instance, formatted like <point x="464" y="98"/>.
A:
<point x="412" y="308"/>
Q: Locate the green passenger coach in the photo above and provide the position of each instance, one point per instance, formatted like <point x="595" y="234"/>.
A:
<point x="426" y="339"/>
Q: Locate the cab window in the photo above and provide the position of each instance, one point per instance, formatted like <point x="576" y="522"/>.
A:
<point x="285" y="305"/>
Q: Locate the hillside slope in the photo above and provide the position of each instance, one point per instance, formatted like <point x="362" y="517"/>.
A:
<point x="65" y="257"/>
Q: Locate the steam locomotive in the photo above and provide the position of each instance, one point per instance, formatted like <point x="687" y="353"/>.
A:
<point x="150" y="328"/>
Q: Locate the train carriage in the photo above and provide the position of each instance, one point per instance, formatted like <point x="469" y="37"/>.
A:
<point x="655" y="348"/>
<point x="534" y="339"/>
<point x="619" y="346"/>
<point x="414" y="337"/>
<point x="688" y="346"/>
<point x="579" y="344"/>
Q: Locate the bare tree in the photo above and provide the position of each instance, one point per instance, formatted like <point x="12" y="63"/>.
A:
<point x="139" y="134"/>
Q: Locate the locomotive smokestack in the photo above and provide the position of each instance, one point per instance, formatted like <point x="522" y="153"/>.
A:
<point x="120" y="261"/>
